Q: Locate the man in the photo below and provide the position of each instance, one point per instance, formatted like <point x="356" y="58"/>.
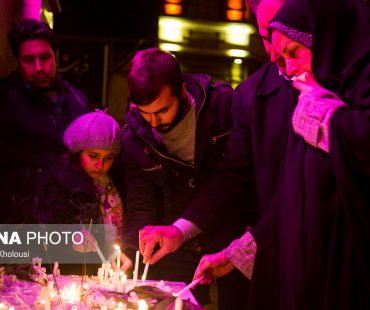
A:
<point x="249" y="175"/>
<point x="175" y="136"/>
<point x="36" y="107"/>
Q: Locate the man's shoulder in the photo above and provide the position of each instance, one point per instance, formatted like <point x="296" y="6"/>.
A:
<point x="10" y="81"/>
<point x="266" y="79"/>
<point x="129" y="137"/>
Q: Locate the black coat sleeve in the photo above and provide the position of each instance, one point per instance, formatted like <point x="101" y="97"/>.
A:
<point x="232" y="187"/>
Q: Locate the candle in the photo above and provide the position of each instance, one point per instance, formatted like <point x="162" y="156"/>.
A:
<point x="188" y="287"/>
<point x="136" y="270"/>
<point x="145" y="273"/>
<point x="178" y="303"/>
<point x="102" y="258"/>
<point x="118" y="257"/>
<point x="101" y="274"/>
<point x="56" y="271"/>
<point x="106" y="270"/>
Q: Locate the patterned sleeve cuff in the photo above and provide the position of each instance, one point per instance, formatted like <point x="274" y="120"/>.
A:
<point x="241" y="252"/>
<point x="313" y="114"/>
<point x="188" y="229"/>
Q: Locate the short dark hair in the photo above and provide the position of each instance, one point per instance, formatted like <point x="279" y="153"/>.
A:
<point x="30" y="29"/>
<point x="149" y="71"/>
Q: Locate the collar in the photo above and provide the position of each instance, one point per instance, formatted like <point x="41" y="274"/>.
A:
<point x="272" y="80"/>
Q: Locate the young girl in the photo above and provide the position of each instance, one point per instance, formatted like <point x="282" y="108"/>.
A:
<point x="79" y="188"/>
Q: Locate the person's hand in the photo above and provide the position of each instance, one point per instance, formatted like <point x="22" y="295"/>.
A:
<point x="169" y="238"/>
<point x="213" y="266"/>
<point x="126" y="262"/>
<point x="306" y="83"/>
<point x="87" y="245"/>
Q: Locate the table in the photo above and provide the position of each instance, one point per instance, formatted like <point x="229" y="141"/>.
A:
<point x="21" y="294"/>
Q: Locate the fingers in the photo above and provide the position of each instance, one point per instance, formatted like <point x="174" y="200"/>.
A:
<point x="126" y="263"/>
<point x="158" y="255"/>
<point x="305" y="82"/>
<point x="169" y="239"/>
<point x="148" y="238"/>
<point x="201" y="271"/>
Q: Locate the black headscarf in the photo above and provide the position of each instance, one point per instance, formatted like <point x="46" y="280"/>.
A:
<point x="292" y="19"/>
<point x="341" y="63"/>
<point x="341" y="46"/>
<point x="334" y="187"/>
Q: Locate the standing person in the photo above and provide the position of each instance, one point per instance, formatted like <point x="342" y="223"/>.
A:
<point x="176" y="134"/>
<point x="36" y="107"/>
<point x="249" y="175"/>
<point x="80" y="187"/>
<point x="322" y="226"/>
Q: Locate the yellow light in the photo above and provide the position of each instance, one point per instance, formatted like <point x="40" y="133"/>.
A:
<point x="237" y="53"/>
<point x="170" y="47"/>
<point x="49" y="16"/>
<point x="170" y="30"/>
<point x="172" y="9"/>
<point x="238" y="61"/>
<point x="238" y="34"/>
<point x="234" y="15"/>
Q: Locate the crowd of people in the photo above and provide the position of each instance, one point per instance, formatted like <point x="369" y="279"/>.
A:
<point x="264" y="188"/>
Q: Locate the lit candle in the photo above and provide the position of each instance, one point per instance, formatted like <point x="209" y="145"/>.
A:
<point x="101" y="274"/>
<point x="178" y="303"/>
<point x="118" y="255"/>
<point x="142" y="305"/>
<point x="136" y="270"/>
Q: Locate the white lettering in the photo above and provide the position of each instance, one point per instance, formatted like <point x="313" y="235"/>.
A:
<point x="29" y="237"/>
<point x="80" y="237"/>
<point x="51" y="240"/>
<point x="66" y="233"/>
<point x="14" y="238"/>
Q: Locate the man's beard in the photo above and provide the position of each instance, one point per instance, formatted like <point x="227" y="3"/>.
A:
<point x="184" y="107"/>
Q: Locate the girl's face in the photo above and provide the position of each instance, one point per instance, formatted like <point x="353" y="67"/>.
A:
<point x="293" y="58"/>
<point x="96" y="162"/>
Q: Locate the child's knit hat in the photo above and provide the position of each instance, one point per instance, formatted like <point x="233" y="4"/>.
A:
<point x="95" y="130"/>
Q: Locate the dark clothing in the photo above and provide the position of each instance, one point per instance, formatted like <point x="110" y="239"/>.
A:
<point x="313" y="247"/>
<point x="313" y="243"/>
<point x="250" y="174"/>
<point x="161" y="186"/>
<point x="67" y="195"/>
<point x="31" y="133"/>
<point x="341" y="53"/>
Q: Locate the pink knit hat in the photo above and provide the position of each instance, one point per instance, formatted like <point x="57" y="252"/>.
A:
<point x="95" y="130"/>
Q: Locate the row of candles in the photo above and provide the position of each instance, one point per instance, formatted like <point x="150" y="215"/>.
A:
<point x="73" y="293"/>
<point x="119" y="276"/>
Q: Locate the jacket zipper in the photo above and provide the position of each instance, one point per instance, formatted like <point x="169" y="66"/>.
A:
<point x="164" y="156"/>
<point x="215" y="138"/>
<point x="155" y="168"/>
